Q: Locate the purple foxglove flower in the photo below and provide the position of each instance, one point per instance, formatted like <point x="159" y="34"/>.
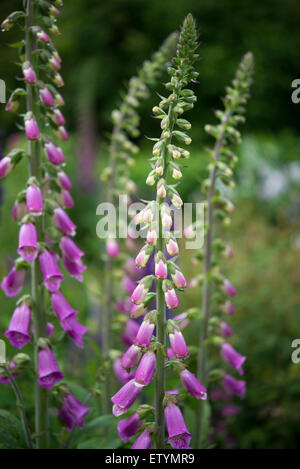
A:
<point x="143" y="256"/>
<point x="131" y="357"/>
<point x="171" y="298"/>
<point x="58" y="117"/>
<point x="178" y="344"/>
<point x="130" y="332"/>
<point x="192" y="385"/>
<point x="178" y="279"/>
<point x="34" y="200"/>
<point x="31" y="129"/>
<point x="229" y="252"/>
<point x="143" y="441"/>
<point x="51" y="273"/>
<point x="28" y="242"/>
<point x="19" y="210"/>
<point x="129" y="427"/>
<point x="161" y="270"/>
<point x="28" y="72"/>
<point x="145" y="370"/>
<point x="62" y="307"/>
<point x="46" y="97"/>
<point x="139" y="294"/>
<point x="75" y="268"/>
<point x="179" y="436"/>
<point x="120" y="373"/>
<point x="18" y="330"/>
<point x="183" y="320"/>
<point x="62" y="133"/>
<point x="170" y="353"/>
<point x="72" y="412"/>
<point x="3" y="376"/>
<point x="50" y="329"/>
<point x="235" y="386"/>
<point x="123" y="306"/>
<point x="144" y="335"/>
<point x="74" y="329"/>
<point x="69" y="249"/>
<point x="63" y="222"/>
<point x="226" y="331"/>
<point x="229" y="288"/>
<point x="12" y="284"/>
<point x="129" y="285"/>
<point x="230" y="410"/>
<point x="112" y="248"/>
<point x="125" y="397"/>
<point x="42" y="36"/>
<point x="5" y="166"/>
<point x="49" y="372"/>
<point x="54" y="154"/>
<point x="233" y="357"/>
<point x="229" y="308"/>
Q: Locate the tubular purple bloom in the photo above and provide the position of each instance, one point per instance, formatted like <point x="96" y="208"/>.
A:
<point x="143" y="441"/>
<point x="127" y="428"/>
<point x="54" y="154"/>
<point x="131" y="357"/>
<point x="179" y="436"/>
<point x="72" y="412"/>
<point x="139" y="294"/>
<point x="63" y="222"/>
<point x="58" y="117"/>
<point x="144" y="335"/>
<point x="229" y="288"/>
<point x="120" y="373"/>
<point x="225" y="329"/>
<point x="28" y="72"/>
<point x="62" y="307"/>
<point x="5" y="166"/>
<point x="229" y="308"/>
<point x="178" y="279"/>
<point x="112" y="248"/>
<point x="51" y="273"/>
<point x="46" y="97"/>
<point x="42" y="36"/>
<point x="28" y="242"/>
<point x="12" y="284"/>
<point x="171" y="299"/>
<point x="145" y="370"/>
<point x="18" y="330"/>
<point x="69" y="249"/>
<point x="62" y="133"/>
<point x="192" y="385"/>
<point x="75" y="268"/>
<point x="31" y="129"/>
<point x="178" y="344"/>
<point x="233" y="357"/>
<point x="34" y="200"/>
<point x="130" y="332"/>
<point x="48" y="370"/>
<point x="235" y="386"/>
<point x="74" y="329"/>
<point x="161" y="270"/>
<point x="125" y="397"/>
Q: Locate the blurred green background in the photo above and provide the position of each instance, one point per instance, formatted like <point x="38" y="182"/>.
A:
<point x="102" y="44"/>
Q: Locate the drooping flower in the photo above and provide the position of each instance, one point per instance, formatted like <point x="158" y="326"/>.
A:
<point x="226" y="330"/>
<point x="127" y="428"/>
<point x="64" y="222"/>
<point x="143" y="441"/>
<point x="178" y="344"/>
<point x="144" y="335"/>
<point x="125" y="397"/>
<point x="64" y="181"/>
<point x="48" y="370"/>
<point x="131" y="357"/>
<point x="74" y="329"/>
<point x="28" y="242"/>
<point x="75" y="268"/>
<point x="62" y="133"/>
<point x="66" y="199"/>
<point x="58" y="117"/>
<point x="31" y="128"/>
<point x="130" y="332"/>
<point x="28" y="72"/>
<point x="235" y="386"/>
<point x="34" y="200"/>
<point x="171" y="299"/>
<point x="51" y="273"/>
<point x="233" y="357"/>
<point x="73" y="412"/>
<point x="145" y="370"/>
<point x="229" y="288"/>
<point x="112" y="248"/>
<point x="192" y="385"/>
<point x="46" y="97"/>
<point x="5" y="166"/>
<point x="179" y="436"/>
<point x="178" y="279"/>
<point x="69" y="249"/>
<point x="18" y="330"/>
<point x="122" y="375"/>
<point x="12" y="284"/>
<point x="62" y="307"/>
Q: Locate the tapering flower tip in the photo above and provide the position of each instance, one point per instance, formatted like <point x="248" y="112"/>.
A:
<point x="125" y="397"/>
<point x="70" y="249"/>
<point x="12" y="284"/>
<point x="46" y="97"/>
<point x="137" y="310"/>
<point x="75" y="268"/>
<point x="59" y="100"/>
<point x="72" y="412"/>
<point x="18" y="330"/>
<point x="129" y="427"/>
<point x="233" y="357"/>
<point x="235" y="386"/>
<point x="51" y="273"/>
<point x="64" y="222"/>
<point x="179" y="436"/>
<point x="28" y="72"/>
<point x="28" y="242"/>
<point x="129" y="285"/>
<point x="5" y="166"/>
<point x="31" y="128"/>
<point x="161" y="270"/>
<point x="143" y="441"/>
<point x="144" y="335"/>
<point x="192" y="385"/>
<point x="166" y="219"/>
<point x="226" y="330"/>
<point x="150" y="181"/>
<point x="143" y="256"/>
<point x="18" y="211"/>
<point x="172" y="247"/>
<point x="112" y="248"/>
<point x="130" y="332"/>
<point x="131" y="357"/>
<point x="229" y="307"/>
<point x="122" y="375"/>
<point x="66" y="199"/>
<point x="229" y="252"/>
<point x="58" y="80"/>
<point x="54" y="154"/>
<point x="151" y="237"/>
<point x="171" y="299"/>
<point x="145" y="370"/>
<point x="229" y="288"/>
<point x="48" y="370"/>
<point x="176" y="200"/>
<point x="176" y="174"/>
<point x="62" y="307"/>
<point x="64" y="181"/>
<point x="12" y="105"/>
<point x="74" y="329"/>
<point x="43" y="36"/>
<point x="183" y="320"/>
<point x="161" y="189"/>
<point x="34" y="200"/>
<point x="178" y="344"/>
<point x="54" y="63"/>
<point x="62" y="133"/>
<point x="58" y="117"/>
<point x="178" y="279"/>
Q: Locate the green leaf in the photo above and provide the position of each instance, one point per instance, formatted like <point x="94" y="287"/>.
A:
<point x="11" y="432"/>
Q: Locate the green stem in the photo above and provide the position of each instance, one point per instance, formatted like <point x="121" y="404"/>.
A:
<point x="207" y="287"/>
<point x="41" y="406"/>
<point x="20" y="405"/>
